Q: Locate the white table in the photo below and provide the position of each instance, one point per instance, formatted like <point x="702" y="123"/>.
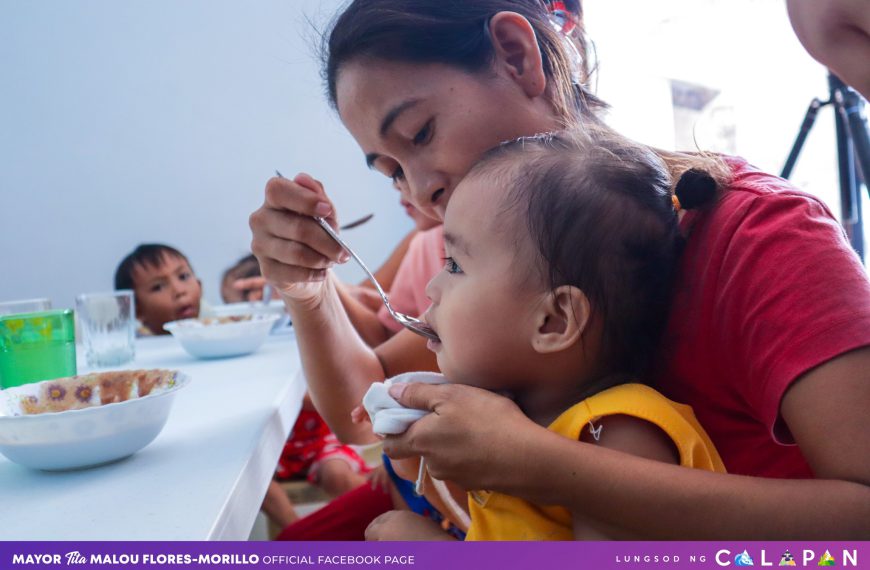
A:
<point x="203" y="478"/>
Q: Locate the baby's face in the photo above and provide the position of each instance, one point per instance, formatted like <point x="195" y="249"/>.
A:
<point x="166" y="292"/>
<point x="481" y="306"/>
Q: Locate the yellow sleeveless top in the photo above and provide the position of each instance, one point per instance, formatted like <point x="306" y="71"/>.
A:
<point x="495" y="516"/>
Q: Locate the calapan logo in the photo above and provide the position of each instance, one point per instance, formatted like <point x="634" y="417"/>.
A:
<point x="803" y="558"/>
<point x="827" y="559"/>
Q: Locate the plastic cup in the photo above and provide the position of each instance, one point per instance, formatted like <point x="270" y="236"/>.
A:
<point x="108" y="327"/>
<point x="37" y="346"/>
<point x="25" y="306"/>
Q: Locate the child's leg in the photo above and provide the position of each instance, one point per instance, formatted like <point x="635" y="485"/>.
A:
<point x="337" y="476"/>
<point x="345" y="518"/>
<point x="277" y="506"/>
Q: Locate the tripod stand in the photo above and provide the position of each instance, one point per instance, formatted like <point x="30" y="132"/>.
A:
<point x="852" y="143"/>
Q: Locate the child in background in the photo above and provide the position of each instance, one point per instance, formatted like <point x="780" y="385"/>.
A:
<point x="560" y="254"/>
<point x="244" y="268"/>
<point x="313" y="452"/>
<point x="165" y="287"/>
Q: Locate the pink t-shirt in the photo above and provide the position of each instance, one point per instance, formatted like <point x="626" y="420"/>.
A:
<point x="423" y="260"/>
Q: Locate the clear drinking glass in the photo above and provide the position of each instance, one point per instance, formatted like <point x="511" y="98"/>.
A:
<point x="108" y="327"/>
<point x="25" y="306"/>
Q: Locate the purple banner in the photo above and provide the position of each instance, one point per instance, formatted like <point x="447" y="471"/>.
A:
<point x="440" y="556"/>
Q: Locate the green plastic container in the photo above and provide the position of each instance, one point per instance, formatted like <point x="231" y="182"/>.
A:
<point x="36" y="347"/>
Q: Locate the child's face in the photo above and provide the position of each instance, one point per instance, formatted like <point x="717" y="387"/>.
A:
<point x="166" y="292"/>
<point x="482" y="309"/>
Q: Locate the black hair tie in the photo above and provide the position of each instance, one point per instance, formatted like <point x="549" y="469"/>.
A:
<point x="695" y="188"/>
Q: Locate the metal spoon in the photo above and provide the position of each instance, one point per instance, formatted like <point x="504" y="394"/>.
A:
<point x="410" y="323"/>
<point x="356" y="223"/>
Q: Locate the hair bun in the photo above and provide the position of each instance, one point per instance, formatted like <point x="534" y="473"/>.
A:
<point x="695" y="188"/>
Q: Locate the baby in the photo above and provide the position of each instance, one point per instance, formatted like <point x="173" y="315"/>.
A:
<point x="165" y="286"/>
<point x="560" y="251"/>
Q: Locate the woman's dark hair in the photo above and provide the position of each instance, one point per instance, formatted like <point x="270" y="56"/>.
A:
<point x="600" y="212"/>
<point x="456" y="32"/>
<point x="150" y="254"/>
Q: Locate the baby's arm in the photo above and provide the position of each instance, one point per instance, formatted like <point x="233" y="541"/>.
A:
<point x="626" y="434"/>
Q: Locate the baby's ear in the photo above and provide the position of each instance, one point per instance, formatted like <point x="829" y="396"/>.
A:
<point x="562" y="318"/>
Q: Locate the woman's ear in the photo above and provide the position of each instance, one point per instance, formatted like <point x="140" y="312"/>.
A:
<point x="517" y="51"/>
<point x="561" y="320"/>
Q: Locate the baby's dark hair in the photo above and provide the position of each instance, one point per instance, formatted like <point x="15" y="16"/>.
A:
<point x="146" y="254"/>
<point x="601" y="215"/>
<point x="456" y="33"/>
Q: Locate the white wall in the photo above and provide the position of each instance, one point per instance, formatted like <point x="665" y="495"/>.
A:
<point x="159" y="120"/>
<point x="130" y="121"/>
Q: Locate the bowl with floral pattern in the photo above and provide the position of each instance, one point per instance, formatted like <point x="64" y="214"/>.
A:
<point x="86" y="420"/>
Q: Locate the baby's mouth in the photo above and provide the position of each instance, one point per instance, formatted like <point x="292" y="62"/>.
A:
<point x="432" y="342"/>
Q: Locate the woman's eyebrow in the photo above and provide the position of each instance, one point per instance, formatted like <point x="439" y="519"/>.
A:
<point x="394" y="113"/>
<point x="387" y="122"/>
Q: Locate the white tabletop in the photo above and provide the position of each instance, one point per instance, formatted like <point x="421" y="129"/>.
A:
<point x="203" y="478"/>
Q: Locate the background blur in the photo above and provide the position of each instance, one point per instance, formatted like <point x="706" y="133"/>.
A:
<point x="129" y="122"/>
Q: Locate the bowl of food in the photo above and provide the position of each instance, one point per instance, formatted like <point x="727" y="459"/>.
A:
<point x="275" y="307"/>
<point x="81" y="421"/>
<point x="221" y="337"/>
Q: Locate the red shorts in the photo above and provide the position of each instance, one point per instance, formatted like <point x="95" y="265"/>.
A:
<point x="309" y="446"/>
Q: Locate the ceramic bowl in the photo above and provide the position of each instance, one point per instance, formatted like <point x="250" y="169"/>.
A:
<point x="220" y="337"/>
<point x="275" y="307"/>
<point x="86" y="420"/>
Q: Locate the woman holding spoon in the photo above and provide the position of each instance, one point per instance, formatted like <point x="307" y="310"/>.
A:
<point x="773" y="361"/>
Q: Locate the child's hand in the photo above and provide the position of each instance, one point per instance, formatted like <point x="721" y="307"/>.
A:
<point x="293" y="250"/>
<point x="405" y="525"/>
<point x="358" y="415"/>
<point x="378" y="478"/>
<point x="252" y="288"/>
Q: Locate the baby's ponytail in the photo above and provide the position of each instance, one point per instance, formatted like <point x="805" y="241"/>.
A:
<point x="695" y="189"/>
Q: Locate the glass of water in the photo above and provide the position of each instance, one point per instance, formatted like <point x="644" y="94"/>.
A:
<point x="108" y="327"/>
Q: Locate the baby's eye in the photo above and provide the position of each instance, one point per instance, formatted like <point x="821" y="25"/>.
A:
<point x="184" y="276"/>
<point x="451" y="266"/>
<point x="156" y="288"/>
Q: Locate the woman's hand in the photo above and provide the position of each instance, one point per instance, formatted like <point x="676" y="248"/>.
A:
<point x="472" y="437"/>
<point x="405" y="525"/>
<point x="293" y="250"/>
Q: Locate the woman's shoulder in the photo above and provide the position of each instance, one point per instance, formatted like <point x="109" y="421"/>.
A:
<point x="757" y="201"/>
<point x="748" y="183"/>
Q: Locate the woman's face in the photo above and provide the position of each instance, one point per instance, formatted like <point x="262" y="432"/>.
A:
<point x="425" y="125"/>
